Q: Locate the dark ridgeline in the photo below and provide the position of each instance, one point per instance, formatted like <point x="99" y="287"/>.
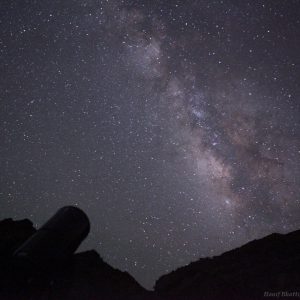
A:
<point x="257" y="270"/>
<point x="41" y="264"/>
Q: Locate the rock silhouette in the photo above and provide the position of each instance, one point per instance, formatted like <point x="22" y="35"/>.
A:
<point x="77" y="276"/>
<point x="261" y="269"/>
<point x="268" y="268"/>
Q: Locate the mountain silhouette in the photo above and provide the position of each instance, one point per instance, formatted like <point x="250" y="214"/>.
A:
<point x="268" y="268"/>
<point x="81" y="276"/>
<point x="261" y="269"/>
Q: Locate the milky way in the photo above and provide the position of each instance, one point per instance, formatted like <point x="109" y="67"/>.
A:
<point x="173" y="124"/>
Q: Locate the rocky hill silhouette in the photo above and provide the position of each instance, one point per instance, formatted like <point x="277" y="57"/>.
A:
<point x="268" y="268"/>
<point x="261" y="269"/>
<point x="81" y="276"/>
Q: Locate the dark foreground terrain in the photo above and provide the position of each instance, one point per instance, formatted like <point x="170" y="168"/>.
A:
<point x="268" y="268"/>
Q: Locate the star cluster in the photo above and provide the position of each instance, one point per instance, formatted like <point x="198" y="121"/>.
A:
<point x="173" y="124"/>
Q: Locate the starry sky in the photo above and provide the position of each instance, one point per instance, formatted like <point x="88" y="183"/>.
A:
<point x="173" y="124"/>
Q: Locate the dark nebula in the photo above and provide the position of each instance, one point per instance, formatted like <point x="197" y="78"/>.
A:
<point x="173" y="124"/>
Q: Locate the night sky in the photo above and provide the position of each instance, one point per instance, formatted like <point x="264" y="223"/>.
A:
<point x="175" y="125"/>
